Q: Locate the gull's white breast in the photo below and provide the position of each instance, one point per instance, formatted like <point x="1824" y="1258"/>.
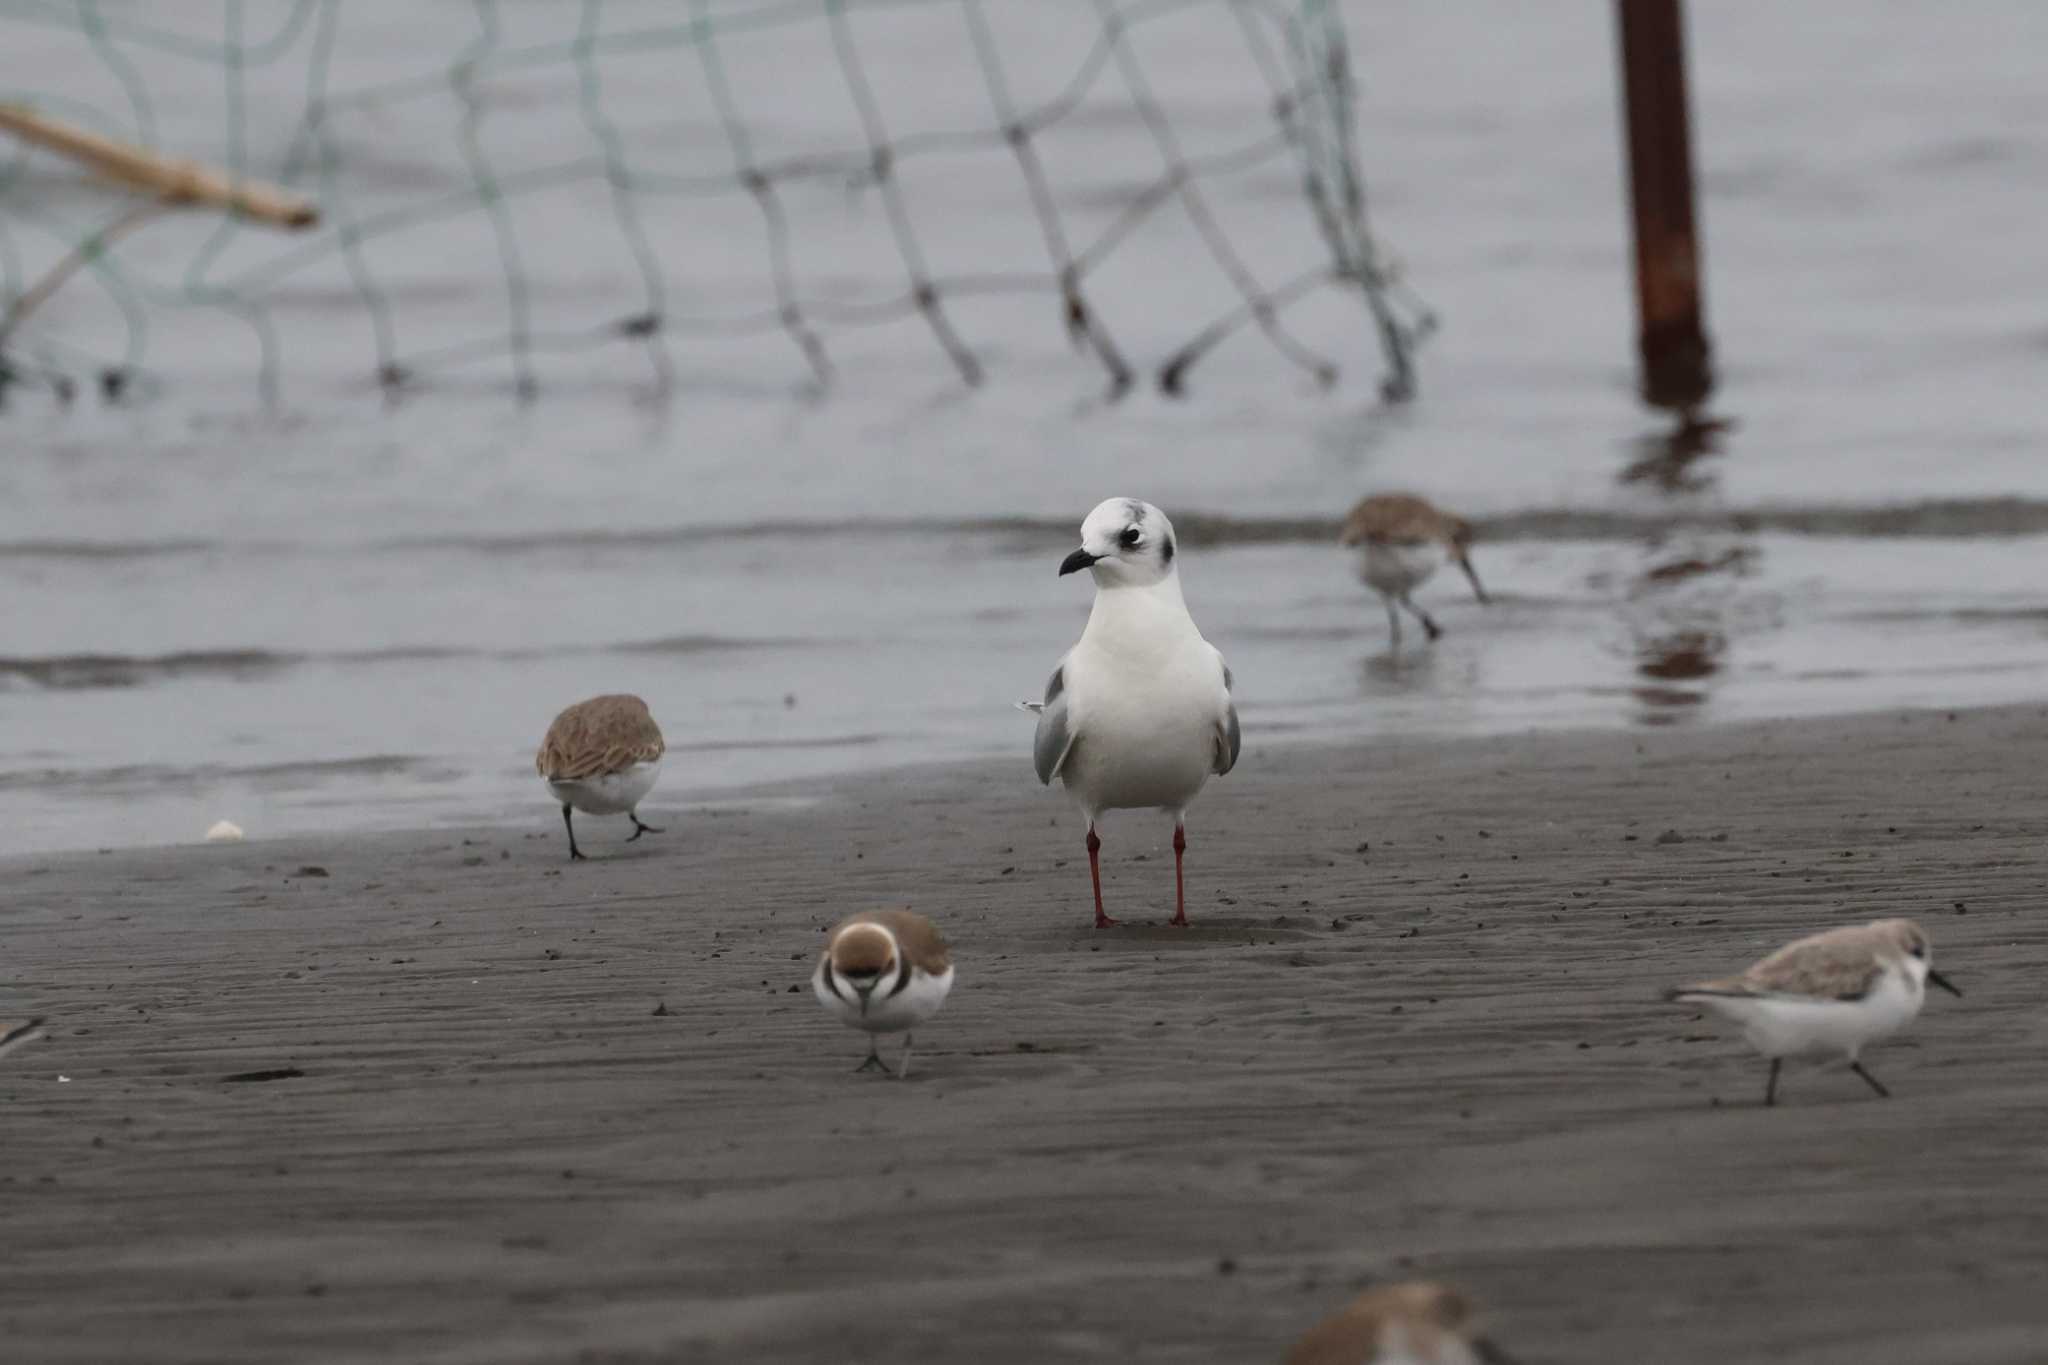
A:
<point x="610" y="794"/>
<point x="1146" y="730"/>
<point x="1399" y="569"/>
<point x="1789" y="1026"/>
<point x="886" y="1013"/>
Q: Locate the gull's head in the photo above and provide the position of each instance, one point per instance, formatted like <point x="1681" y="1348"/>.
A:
<point x="860" y="957"/>
<point x="1125" y="544"/>
<point x="1914" y="950"/>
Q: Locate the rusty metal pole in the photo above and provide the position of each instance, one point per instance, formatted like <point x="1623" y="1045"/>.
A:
<point x="1677" y="360"/>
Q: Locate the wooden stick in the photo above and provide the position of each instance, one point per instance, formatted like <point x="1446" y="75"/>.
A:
<point x="1677" y="360"/>
<point x="169" y="178"/>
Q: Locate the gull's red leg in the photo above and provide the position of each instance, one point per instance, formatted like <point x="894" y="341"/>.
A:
<point x="1180" y="902"/>
<point x="1102" y="921"/>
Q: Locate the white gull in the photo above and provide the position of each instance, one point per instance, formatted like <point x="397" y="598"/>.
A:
<point x="1138" y="714"/>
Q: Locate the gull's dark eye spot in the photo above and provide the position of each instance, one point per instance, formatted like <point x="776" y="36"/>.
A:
<point x="1131" y="536"/>
<point x="1918" y="950"/>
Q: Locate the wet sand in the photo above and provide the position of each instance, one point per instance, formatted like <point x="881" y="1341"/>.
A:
<point x="553" y="1113"/>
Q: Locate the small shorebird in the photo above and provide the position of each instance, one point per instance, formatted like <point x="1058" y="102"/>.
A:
<point x="14" y="1035"/>
<point x="884" y="971"/>
<point x="1401" y="541"/>
<point x="1138" y="714"/>
<point x="1415" y="1323"/>
<point x="601" y="757"/>
<point x="1830" y="995"/>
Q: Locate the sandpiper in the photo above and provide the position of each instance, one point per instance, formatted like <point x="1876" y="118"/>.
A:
<point x="1401" y="541"/>
<point x="884" y="971"/>
<point x="1138" y="714"/>
<point x="601" y="757"/>
<point x="1413" y="1323"/>
<point x="1830" y="995"/>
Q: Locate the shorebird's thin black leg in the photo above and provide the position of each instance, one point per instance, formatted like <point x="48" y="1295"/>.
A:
<point x="903" y="1071"/>
<point x="1771" y="1090"/>
<point x="1875" y="1084"/>
<point x="1393" y="623"/>
<point x="575" y="853"/>
<point x="638" y="828"/>
<point x="1429" y="627"/>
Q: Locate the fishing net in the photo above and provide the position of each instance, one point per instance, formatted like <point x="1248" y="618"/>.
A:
<point x="731" y="191"/>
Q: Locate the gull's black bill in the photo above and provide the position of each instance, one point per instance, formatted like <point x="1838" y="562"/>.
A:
<point x="1076" y="562"/>
<point x="1938" y="979"/>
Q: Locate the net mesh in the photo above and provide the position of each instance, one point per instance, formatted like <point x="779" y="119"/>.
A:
<point x="504" y="183"/>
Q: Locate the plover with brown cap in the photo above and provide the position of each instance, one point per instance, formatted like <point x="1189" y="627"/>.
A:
<point x="1416" y="1323"/>
<point x="1138" y="715"/>
<point x="1401" y="541"/>
<point x="1829" y="996"/>
<point x="14" y="1035"/>
<point x="601" y="757"/>
<point x="884" y="971"/>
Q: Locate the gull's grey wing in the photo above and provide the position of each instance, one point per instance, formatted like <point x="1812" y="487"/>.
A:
<point x="1229" y="739"/>
<point x="1054" y="739"/>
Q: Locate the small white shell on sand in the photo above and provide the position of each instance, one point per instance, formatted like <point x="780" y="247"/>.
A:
<point x="224" y="831"/>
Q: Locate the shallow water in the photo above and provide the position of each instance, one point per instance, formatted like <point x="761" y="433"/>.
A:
<point x="333" y="615"/>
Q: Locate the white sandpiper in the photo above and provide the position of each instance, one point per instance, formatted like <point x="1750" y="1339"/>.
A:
<point x="884" y="971"/>
<point x="1138" y="714"/>
<point x="1830" y="995"/>
<point x="1401" y="541"/>
<point x="601" y="757"/>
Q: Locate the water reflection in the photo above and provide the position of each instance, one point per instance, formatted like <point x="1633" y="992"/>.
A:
<point x="1685" y="656"/>
<point x="1664" y="460"/>
<point x="1682" y="598"/>
<point x="1400" y="671"/>
<point x="1735" y="559"/>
